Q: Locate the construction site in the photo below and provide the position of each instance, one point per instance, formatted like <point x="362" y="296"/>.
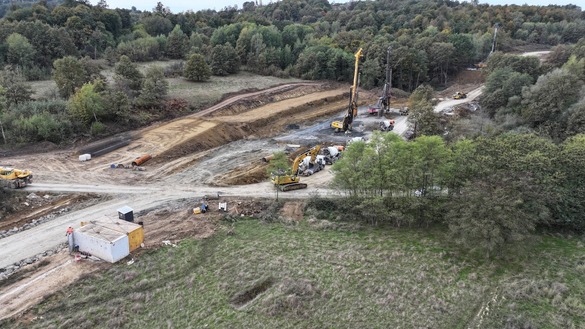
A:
<point x="181" y="177"/>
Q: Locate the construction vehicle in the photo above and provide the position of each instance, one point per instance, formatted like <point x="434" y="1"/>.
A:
<point x="383" y="104"/>
<point x="346" y="124"/>
<point x="387" y="125"/>
<point x="332" y="153"/>
<point x="15" y="178"/>
<point x="289" y="182"/>
<point x="459" y="95"/>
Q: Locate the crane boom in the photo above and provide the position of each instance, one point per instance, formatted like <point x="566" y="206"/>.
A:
<point x="352" y="110"/>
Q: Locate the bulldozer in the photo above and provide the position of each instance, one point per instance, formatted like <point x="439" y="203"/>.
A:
<point x="15" y="178"/>
<point x="352" y="110"/>
<point x="289" y="182"/>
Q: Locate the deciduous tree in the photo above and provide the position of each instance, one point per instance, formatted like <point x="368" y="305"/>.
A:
<point x="20" y="51"/>
<point x="86" y="104"/>
<point x="69" y="74"/>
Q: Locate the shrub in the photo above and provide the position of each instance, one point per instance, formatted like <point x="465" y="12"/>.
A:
<point x="97" y="128"/>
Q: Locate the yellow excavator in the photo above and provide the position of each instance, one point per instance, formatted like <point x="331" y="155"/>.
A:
<point x="289" y="182"/>
<point x="352" y="110"/>
<point x="15" y="178"/>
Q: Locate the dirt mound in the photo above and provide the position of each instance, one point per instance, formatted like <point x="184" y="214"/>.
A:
<point x="178" y="223"/>
<point x="26" y="208"/>
<point x="250" y="174"/>
<point x="293" y="210"/>
<point x="220" y="134"/>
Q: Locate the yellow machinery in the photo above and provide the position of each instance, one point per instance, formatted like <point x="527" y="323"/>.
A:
<point x="15" y="178"/>
<point x="290" y="182"/>
<point x="352" y="110"/>
<point x="459" y="95"/>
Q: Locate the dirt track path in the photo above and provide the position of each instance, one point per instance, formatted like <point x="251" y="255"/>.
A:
<point x="234" y="99"/>
<point x="47" y="236"/>
<point x="448" y="103"/>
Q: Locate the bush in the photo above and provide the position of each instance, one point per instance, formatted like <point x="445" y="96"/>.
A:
<point x="40" y="127"/>
<point x="97" y="128"/>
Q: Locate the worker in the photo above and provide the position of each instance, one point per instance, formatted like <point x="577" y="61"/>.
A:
<point x="70" y="238"/>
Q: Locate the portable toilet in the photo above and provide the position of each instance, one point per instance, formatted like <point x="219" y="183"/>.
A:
<point x="126" y="213"/>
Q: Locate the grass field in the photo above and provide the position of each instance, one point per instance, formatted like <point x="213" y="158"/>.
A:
<point x="202" y="94"/>
<point x="258" y="275"/>
<point x="198" y="94"/>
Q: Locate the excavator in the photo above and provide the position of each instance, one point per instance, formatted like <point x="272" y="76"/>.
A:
<point x="290" y="182"/>
<point x="15" y="178"/>
<point x="346" y="124"/>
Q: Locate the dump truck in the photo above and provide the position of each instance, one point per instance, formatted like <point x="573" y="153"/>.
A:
<point x="15" y="178"/>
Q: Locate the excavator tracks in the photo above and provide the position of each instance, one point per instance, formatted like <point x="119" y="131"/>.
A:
<point x="292" y="187"/>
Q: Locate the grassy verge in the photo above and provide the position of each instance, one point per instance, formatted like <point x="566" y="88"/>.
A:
<point x="258" y="275"/>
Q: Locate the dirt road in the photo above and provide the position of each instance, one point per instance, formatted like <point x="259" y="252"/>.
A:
<point x="449" y="103"/>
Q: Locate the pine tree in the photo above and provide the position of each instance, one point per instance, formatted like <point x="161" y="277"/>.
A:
<point x="196" y="69"/>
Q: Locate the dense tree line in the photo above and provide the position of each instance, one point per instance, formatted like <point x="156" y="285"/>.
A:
<point x="488" y="191"/>
<point x="282" y="37"/>
<point x="430" y="40"/>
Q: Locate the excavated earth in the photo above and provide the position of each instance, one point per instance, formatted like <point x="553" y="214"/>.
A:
<point x="220" y="146"/>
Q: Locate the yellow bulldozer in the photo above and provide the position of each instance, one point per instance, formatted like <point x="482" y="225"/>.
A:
<point x="15" y="178"/>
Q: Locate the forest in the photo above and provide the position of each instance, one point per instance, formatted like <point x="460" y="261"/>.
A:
<point x="71" y="42"/>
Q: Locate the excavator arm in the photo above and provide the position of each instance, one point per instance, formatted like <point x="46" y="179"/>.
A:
<point x="290" y="182"/>
<point x="313" y="152"/>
